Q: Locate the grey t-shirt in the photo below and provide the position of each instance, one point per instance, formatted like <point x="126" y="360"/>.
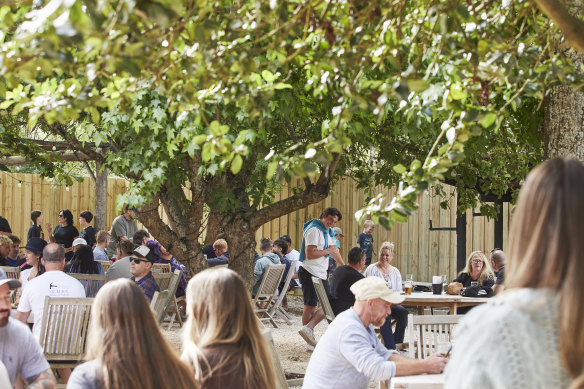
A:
<point x="20" y="352"/>
<point x="86" y="376"/>
<point x="120" y="227"/>
<point x="119" y="269"/>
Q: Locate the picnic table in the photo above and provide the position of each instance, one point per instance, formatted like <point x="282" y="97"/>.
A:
<point x="428" y="299"/>
<point x="426" y="381"/>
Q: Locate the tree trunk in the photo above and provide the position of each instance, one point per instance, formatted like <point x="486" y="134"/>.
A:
<point x="100" y="196"/>
<point x="241" y="241"/>
<point x="563" y="129"/>
<point x="213" y="227"/>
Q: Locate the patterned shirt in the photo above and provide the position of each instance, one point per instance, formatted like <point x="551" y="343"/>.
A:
<point x="147" y="284"/>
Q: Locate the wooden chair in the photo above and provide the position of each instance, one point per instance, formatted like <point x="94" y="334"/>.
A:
<point x="106" y="265"/>
<point x="323" y="299"/>
<point x="91" y="282"/>
<point x="267" y="291"/>
<point x="159" y="304"/>
<point x="161" y="268"/>
<point x="429" y="330"/>
<point x="172" y="306"/>
<point x="64" y="330"/>
<point x="11" y="272"/>
<point x="281" y="381"/>
<point x="162" y="280"/>
<point x="277" y="306"/>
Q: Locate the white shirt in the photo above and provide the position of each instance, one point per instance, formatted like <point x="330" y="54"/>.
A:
<point x="317" y="267"/>
<point x="24" y="281"/>
<point x="53" y="284"/>
<point x="294" y="255"/>
<point x="393" y="279"/>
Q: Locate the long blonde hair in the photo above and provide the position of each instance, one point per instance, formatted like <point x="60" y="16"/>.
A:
<point x="126" y="341"/>
<point x="550" y="211"/>
<point x="486" y="272"/>
<point x="220" y="313"/>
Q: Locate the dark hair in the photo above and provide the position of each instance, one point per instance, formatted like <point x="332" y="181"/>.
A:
<point x="34" y="215"/>
<point x="139" y="236"/>
<point x="356" y="255"/>
<point x="282" y="244"/>
<point x="53" y="253"/>
<point x="266" y="244"/>
<point x="14" y="239"/>
<point x="68" y="216"/>
<point x="331" y="211"/>
<point x="88" y="216"/>
<point x="125" y="246"/>
<point x="83" y="262"/>
<point x="286" y="238"/>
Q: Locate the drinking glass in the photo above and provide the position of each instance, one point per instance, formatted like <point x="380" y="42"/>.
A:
<point x="444" y="283"/>
<point x="409" y="278"/>
<point x="443" y="348"/>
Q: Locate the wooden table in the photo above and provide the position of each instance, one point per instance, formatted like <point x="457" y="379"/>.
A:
<point x="425" y="381"/>
<point x="428" y="299"/>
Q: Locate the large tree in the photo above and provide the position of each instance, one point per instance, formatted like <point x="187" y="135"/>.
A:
<point x="209" y="105"/>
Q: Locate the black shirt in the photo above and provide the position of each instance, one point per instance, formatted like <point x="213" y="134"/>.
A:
<point x="343" y="298"/>
<point x="500" y="276"/>
<point x="65" y="236"/>
<point x="465" y="279"/>
<point x="88" y="233"/>
<point x="35" y="232"/>
<point x="209" y="251"/>
<point x="4" y="226"/>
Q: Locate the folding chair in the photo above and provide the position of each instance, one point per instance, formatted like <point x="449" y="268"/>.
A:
<point x="161" y="268"/>
<point x="64" y="330"/>
<point x="277" y="306"/>
<point x="91" y="282"/>
<point x="281" y="381"/>
<point x="11" y="271"/>
<point x="105" y="264"/>
<point x="159" y="304"/>
<point x="429" y="330"/>
<point x="267" y="291"/>
<point x="162" y="280"/>
<point x="323" y="299"/>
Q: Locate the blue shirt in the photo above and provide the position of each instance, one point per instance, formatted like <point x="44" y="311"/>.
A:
<point x="347" y="356"/>
<point x="148" y="285"/>
<point x="365" y="241"/>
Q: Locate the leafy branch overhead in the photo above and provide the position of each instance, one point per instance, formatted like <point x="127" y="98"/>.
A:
<point x="411" y="92"/>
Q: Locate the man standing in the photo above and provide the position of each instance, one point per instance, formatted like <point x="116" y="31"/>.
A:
<point x="87" y="231"/>
<point x="121" y="267"/>
<point x="314" y="252"/>
<point x="21" y="353"/>
<point x="53" y="283"/>
<point x="140" y="267"/>
<point x="498" y="259"/>
<point x="345" y="277"/>
<point x="350" y="354"/>
<point x="103" y="241"/>
<point x="293" y="255"/>
<point x="123" y="227"/>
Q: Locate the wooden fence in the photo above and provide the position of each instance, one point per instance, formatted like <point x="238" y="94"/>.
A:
<point x="417" y="249"/>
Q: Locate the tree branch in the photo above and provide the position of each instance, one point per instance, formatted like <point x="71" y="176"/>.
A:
<point x="571" y="26"/>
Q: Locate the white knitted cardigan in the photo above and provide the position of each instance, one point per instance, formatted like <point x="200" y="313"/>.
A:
<point x="510" y="342"/>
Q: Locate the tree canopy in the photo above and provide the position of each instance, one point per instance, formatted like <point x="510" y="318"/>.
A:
<point x="230" y="98"/>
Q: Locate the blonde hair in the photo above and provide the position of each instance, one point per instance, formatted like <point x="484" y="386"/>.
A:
<point x="368" y="223"/>
<point x="220" y="244"/>
<point x="550" y="209"/>
<point x="486" y="272"/>
<point x="5" y="240"/>
<point x="220" y="313"/>
<point x="386" y="245"/>
<point x="125" y="339"/>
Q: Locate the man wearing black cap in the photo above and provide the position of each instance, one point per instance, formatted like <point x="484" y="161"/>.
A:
<point x="141" y="261"/>
<point x="21" y="353"/>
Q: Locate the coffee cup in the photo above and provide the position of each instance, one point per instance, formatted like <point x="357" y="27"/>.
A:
<point x="437" y="284"/>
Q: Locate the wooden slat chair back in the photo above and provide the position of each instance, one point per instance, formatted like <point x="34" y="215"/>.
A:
<point x="106" y="265"/>
<point x="161" y="268"/>
<point x="162" y="280"/>
<point x="281" y="381"/>
<point x="11" y="271"/>
<point x="91" y="282"/>
<point x="323" y="299"/>
<point x="277" y="306"/>
<point x="172" y="306"/>
<point x="267" y="291"/>
<point x="64" y="330"/>
<point x="429" y="330"/>
<point x="159" y="303"/>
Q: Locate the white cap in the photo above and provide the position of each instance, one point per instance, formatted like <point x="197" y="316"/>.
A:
<point x="78" y="241"/>
<point x="374" y="287"/>
<point x="338" y="231"/>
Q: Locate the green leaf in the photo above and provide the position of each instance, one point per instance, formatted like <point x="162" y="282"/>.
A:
<point x="488" y="120"/>
<point x="236" y="164"/>
<point x="418" y="85"/>
<point x="207" y="153"/>
<point x="268" y="76"/>
<point x="399" y="169"/>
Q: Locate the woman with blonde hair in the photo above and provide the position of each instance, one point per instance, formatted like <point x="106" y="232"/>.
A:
<point x="477" y="269"/>
<point x="531" y="334"/>
<point x="222" y="339"/>
<point x="391" y="275"/>
<point x="125" y="346"/>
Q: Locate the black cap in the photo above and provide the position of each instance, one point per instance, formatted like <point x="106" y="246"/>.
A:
<point x="36" y="245"/>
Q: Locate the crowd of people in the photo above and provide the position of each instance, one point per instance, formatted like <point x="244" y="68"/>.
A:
<point x="532" y="325"/>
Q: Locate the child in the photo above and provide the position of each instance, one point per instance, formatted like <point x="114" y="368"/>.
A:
<point x="13" y="258"/>
<point x="365" y="241"/>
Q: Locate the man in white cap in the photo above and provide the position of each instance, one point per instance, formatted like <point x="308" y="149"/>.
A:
<point x="21" y="353"/>
<point x="349" y="354"/>
<point x="78" y="242"/>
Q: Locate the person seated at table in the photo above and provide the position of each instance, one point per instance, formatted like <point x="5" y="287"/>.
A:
<point x="345" y="276"/>
<point x="142" y="360"/>
<point x="349" y="354"/>
<point x="222" y="341"/>
<point x="392" y="276"/>
<point x="83" y="262"/>
<point x="478" y="269"/>
<point x="498" y="259"/>
<point x="537" y="321"/>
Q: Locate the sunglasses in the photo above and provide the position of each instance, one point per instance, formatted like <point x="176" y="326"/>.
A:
<point x="137" y="260"/>
<point x="60" y="215"/>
